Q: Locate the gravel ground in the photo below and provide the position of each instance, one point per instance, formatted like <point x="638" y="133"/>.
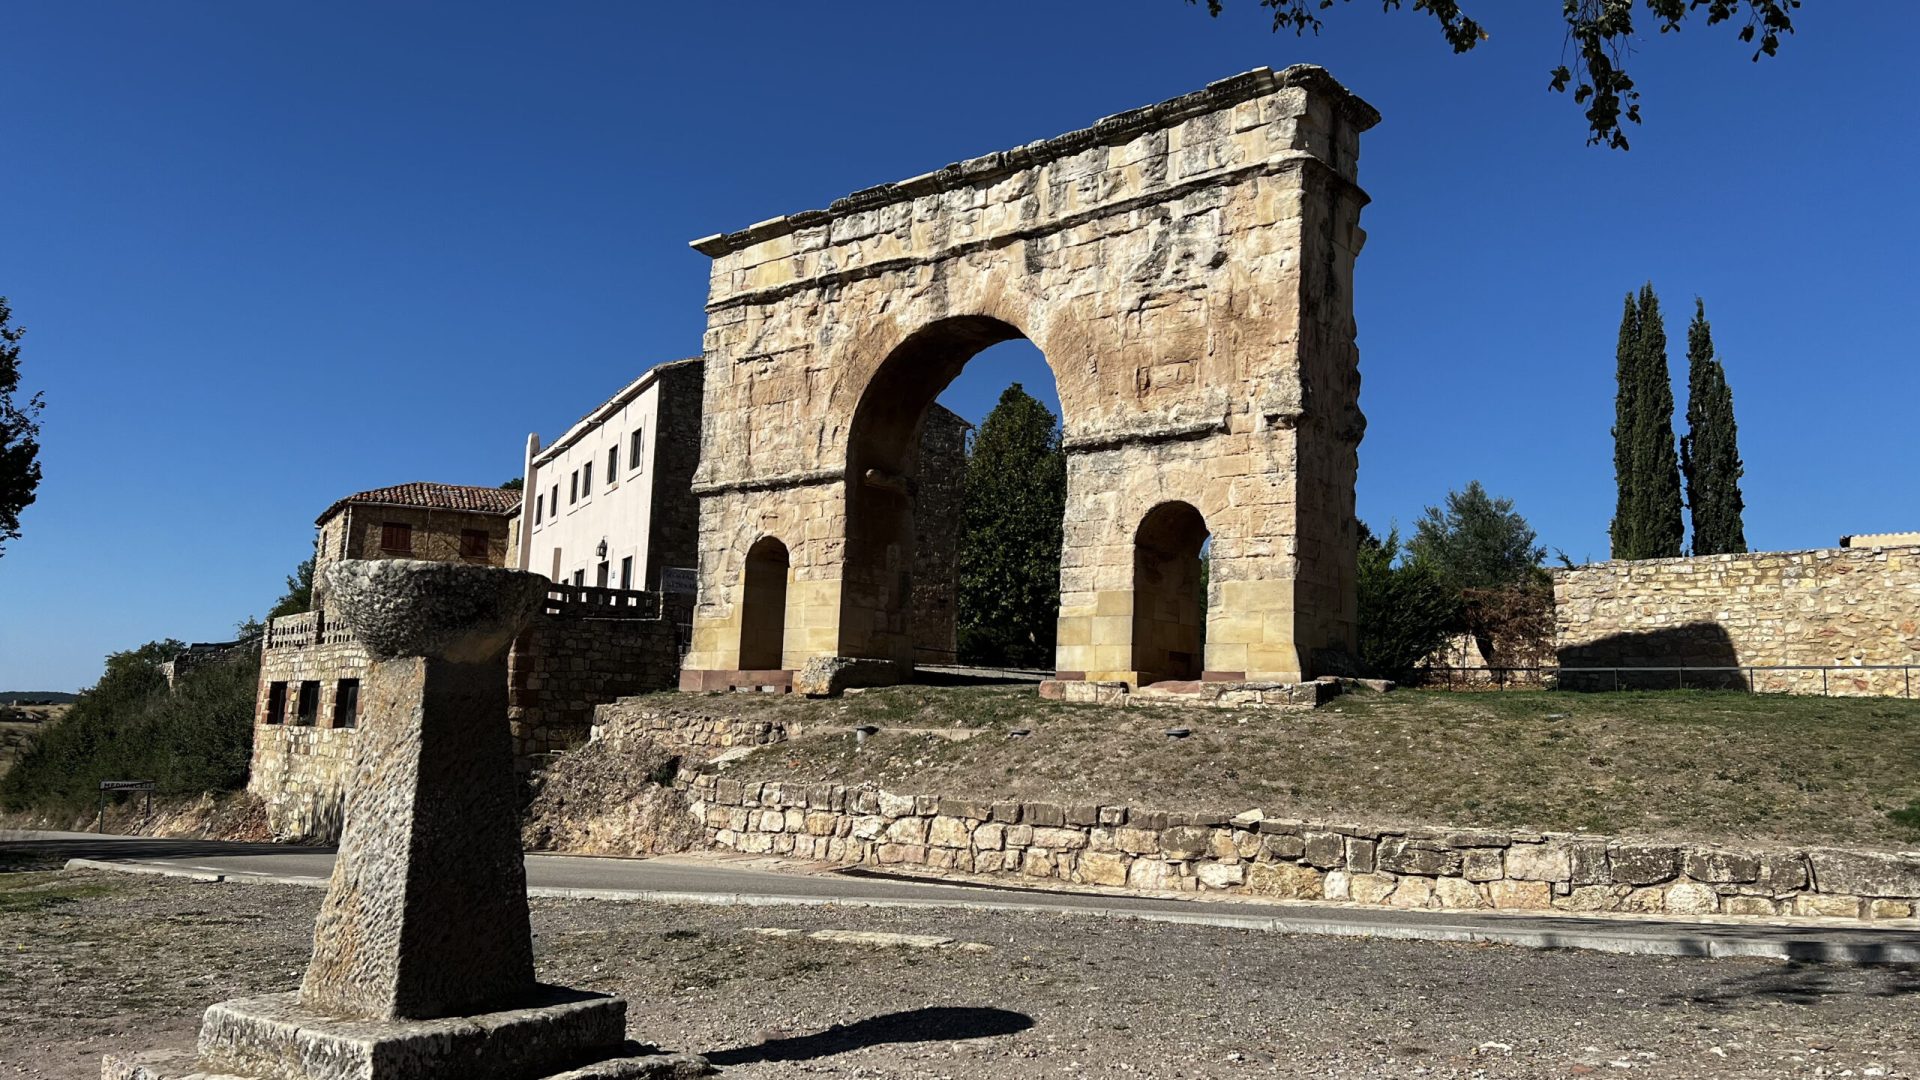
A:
<point x="93" y="962"/>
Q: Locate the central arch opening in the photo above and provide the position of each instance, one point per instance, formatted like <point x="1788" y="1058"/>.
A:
<point x="763" y="614"/>
<point x="933" y="510"/>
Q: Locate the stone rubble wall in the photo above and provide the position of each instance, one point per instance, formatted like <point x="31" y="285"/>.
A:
<point x="563" y="667"/>
<point x="1830" y="607"/>
<point x="679" y="732"/>
<point x="1254" y="856"/>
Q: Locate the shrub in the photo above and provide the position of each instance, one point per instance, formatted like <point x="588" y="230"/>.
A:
<point x="129" y="727"/>
<point x="1407" y="609"/>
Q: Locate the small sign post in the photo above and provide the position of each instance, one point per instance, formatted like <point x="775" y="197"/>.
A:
<point x="111" y="786"/>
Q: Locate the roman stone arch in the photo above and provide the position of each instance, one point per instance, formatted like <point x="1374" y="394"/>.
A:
<point x="1186" y="268"/>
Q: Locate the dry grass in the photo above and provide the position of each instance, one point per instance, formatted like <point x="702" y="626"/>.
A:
<point x="1701" y="765"/>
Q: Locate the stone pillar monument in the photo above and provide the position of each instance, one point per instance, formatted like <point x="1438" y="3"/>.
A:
<point x="422" y="953"/>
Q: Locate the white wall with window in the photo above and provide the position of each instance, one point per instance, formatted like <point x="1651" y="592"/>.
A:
<point x="588" y="508"/>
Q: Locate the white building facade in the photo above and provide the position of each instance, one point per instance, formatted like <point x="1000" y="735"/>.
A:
<point x="609" y="504"/>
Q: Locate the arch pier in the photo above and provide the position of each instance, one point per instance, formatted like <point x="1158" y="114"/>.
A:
<point x="1186" y="268"/>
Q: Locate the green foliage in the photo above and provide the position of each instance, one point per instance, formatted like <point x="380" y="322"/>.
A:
<point x="1014" y="503"/>
<point x="19" y="433"/>
<point x="129" y="727"/>
<point x="1908" y="818"/>
<point x="1477" y="542"/>
<point x="1710" y="451"/>
<point x="1600" y="31"/>
<point x="299" y="595"/>
<point x="1407" y="608"/>
<point x="1647" y="520"/>
<point x="518" y="483"/>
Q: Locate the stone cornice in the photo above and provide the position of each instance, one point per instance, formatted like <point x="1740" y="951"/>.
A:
<point x="1113" y="130"/>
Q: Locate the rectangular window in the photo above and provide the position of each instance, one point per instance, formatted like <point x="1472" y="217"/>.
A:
<point x="600" y="575"/>
<point x="626" y="572"/>
<point x="346" y="703"/>
<point x="586" y="479"/>
<point x="473" y="543"/>
<point x="573" y="488"/>
<point x="276" y="703"/>
<point x="539" y="508"/>
<point x="613" y="464"/>
<point x="396" y="537"/>
<point x="554" y="499"/>
<point x="309" y="703"/>
<point x="633" y="449"/>
<point x="580" y="577"/>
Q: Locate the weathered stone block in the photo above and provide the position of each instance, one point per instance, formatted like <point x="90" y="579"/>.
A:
<point x="1103" y="868"/>
<point x="1691" y="898"/>
<point x="1361" y="855"/>
<point x="1865" y="873"/>
<point x="1325" y="850"/>
<point x="1401" y="855"/>
<point x="1285" y="881"/>
<point x="1185" y="841"/>
<point x="1643" y="864"/>
<point x="1721" y="865"/>
<point x="1219" y="876"/>
<point x="1539" y="862"/>
<point x="1520" y="895"/>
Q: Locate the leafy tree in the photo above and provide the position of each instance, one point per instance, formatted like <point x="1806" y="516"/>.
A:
<point x="1009" y="554"/>
<point x="518" y="483"/>
<point x="1407" y="608"/>
<point x="299" y="594"/>
<point x="1647" y="519"/>
<point x="19" y="433"/>
<point x="1710" y="451"/>
<point x="1601" y="32"/>
<point x="1477" y="541"/>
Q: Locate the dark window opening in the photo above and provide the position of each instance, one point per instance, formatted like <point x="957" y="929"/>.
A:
<point x="580" y="577"/>
<point x="539" y="508"/>
<point x="613" y="464"/>
<point x="633" y="449"/>
<point x="600" y="575"/>
<point x="473" y="543"/>
<point x="586" y="479"/>
<point x="396" y="537"/>
<point x="573" y="488"/>
<point x="276" y="703"/>
<point x="346" y="703"/>
<point x="309" y="704"/>
<point x="626" y="572"/>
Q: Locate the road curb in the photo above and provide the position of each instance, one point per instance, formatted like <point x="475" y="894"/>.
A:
<point x="1707" y="941"/>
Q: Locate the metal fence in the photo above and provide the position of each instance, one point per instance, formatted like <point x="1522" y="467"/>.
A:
<point x="1829" y="680"/>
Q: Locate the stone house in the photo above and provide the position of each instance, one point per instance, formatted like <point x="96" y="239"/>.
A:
<point x="435" y="522"/>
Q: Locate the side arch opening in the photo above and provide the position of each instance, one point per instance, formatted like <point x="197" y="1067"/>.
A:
<point x="1170" y="594"/>
<point x="763" y="606"/>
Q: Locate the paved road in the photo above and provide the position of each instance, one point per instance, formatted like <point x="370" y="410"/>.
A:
<point x="734" y="881"/>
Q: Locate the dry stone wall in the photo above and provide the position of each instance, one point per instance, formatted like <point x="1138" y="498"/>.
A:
<point x="1252" y="855"/>
<point x="563" y="667"/>
<point x="1836" y="607"/>
<point x="674" y="731"/>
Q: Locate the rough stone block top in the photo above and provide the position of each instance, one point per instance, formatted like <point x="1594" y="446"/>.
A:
<point x="406" y="607"/>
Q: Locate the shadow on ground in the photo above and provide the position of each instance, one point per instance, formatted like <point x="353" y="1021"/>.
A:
<point x="940" y="1023"/>
<point x="60" y="849"/>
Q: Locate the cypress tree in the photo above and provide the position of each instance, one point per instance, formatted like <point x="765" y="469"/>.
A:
<point x="1647" y="521"/>
<point x="1656" y="462"/>
<point x="1625" y="541"/>
<point x="1710" y="452"/>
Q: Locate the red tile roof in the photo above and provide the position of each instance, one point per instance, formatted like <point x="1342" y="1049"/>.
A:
<point x="473" y="500"/>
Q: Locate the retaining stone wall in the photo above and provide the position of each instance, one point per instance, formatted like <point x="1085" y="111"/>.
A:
<point x="1294" y="860"/>
<point x="1833" y="606"/>
<point x="686" y="732"/>
<point x="563" y="667"/>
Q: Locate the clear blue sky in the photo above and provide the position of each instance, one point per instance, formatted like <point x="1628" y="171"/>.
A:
<point x="269" y="254"/>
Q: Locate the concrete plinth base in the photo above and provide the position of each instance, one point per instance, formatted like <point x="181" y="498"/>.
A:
<point x="560" y="1035"/>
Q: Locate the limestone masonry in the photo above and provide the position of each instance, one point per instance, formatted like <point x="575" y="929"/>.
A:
<point x="1832" y="607"/>
<point x="1187" y="270"/>
<point x="1253" y="855"/>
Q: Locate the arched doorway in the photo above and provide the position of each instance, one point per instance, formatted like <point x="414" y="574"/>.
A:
<point x="763" y="597"/>
<point x="895" y="509"/>
<point x="1169" y="598"/>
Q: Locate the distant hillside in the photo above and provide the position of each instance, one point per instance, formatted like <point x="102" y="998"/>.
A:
<point x="37" y="697"/>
